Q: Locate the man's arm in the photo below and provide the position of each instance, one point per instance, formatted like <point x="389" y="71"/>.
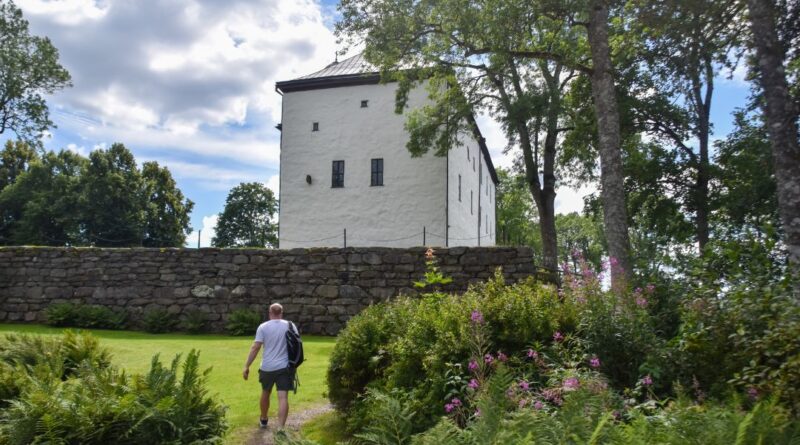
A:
<point x="250" y="357"/>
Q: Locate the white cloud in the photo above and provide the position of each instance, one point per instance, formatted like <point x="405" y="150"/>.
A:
<point x="206" y="233"/>
<point x="274" y="184"/>
<point x="208" y="176"/>
<point x="190" y="75"/>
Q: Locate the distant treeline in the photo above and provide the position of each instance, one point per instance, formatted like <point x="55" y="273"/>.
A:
<point x="65" y="199"/>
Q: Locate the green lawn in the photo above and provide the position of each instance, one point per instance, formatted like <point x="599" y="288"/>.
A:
<point x="226" y="356"/>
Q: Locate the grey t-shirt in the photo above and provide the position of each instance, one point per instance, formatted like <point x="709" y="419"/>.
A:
<point x="272" y="334"/>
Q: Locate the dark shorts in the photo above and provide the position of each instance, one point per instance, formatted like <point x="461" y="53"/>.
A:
<point x="283" y="379"/>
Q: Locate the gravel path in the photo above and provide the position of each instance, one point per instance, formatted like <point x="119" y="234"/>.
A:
<point x="293" y="424"/>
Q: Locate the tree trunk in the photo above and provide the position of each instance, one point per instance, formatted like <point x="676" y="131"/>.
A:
<point x="781" y="116"/>
<point x="615" y="215"/>
<point x="702" y="105"/>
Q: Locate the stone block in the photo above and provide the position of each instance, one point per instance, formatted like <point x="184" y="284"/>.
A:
<point x="240" y="259"/>
<point x="203" y="291"/>
<point x="347" y="291"/>
<point x="327" y="291"/>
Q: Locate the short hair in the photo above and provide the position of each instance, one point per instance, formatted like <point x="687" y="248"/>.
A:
<point x="276" y="309"/>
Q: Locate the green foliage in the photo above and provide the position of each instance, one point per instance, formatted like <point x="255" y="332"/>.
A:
<point x="515" y="211"/>
<point x="248" y="219"/>
<point x="196" y="321"/>
<point x="432" y="276"/>
<point x="167" y="214"/>
<point x="85" y="316"/>
<point x="243" y="322"/>
<point x="740" y="324"/>
<point x="390" y="420"/>
<point x="63" y="198"/>
<point x="29" y="69"/>
<point x="98" y="406"/>
<point x="24" y="356"/>
<point x="411" y="344"/>
<point x="158" y="321"/>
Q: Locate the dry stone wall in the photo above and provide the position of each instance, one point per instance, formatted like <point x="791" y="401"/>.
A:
<point x="320" y="289"/>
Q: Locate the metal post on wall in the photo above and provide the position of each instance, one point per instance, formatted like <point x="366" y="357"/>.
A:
<point x="345" y="238"/>
<point x="424" y="236"/>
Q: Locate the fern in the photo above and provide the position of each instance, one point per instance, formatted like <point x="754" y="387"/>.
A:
<point x="391" y="421"/>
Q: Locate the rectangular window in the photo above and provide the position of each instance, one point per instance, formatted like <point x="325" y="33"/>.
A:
<point x="364" y="103"/>
<point x="377" y="172"/>
<point x="459" y="188"/>
<point x="315" y="126"/>
<point x="467" y="154"/>
<point x="338" y="174"/>
<point x="470" y="202"/>
<point x="473" y="164"/>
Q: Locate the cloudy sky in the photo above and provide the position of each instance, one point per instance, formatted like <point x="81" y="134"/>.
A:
<point x="191" y="84"/>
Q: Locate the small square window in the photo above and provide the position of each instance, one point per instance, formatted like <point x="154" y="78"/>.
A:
<point x="315" y="126"/>
<point x="364" y="103"/>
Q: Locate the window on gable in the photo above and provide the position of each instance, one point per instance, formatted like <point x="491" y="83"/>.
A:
<point x="337" y="179"/>
<point x="364" y="103"/>
<point x="315" y="126"/>
<point x="459" y="188"/>
<point x="377" y="172"/>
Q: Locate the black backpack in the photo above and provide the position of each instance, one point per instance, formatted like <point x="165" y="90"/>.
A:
<point x="294" y="346"/>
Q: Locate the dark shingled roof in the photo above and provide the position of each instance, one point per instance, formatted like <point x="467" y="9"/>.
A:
<point x="356" y="70"/>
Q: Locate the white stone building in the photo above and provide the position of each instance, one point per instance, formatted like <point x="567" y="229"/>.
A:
<point x="346" y="176"/>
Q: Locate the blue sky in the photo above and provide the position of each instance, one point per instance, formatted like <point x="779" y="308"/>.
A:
<point x="190" y="84"/>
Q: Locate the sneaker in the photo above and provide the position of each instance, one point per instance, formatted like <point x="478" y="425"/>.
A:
<point x="263" y="423"/>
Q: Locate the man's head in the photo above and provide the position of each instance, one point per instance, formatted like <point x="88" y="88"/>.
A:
<point x="275" y="311"/>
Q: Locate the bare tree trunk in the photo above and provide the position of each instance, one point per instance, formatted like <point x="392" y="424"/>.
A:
<point x="702" y="105"/>
<point x="615" y="215"/>
<point x="781" y="115"/>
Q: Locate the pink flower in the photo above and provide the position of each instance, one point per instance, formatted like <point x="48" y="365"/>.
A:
<point x="752" y="392"/>
<point x="522" y="403"/>
<point x="524" y="385"/>
<point x="477" y="317"/>
<point x="502" y="357"/>
<point x="533" y="354"/>
<point x="473" y="384"/>
<point x="448" y="408"/>
<point x="473" y="365"/>
<point x="558" y="336"/>
<point x="429" y="254"/>
<point x="612" y="261"/>
<point x="594" y="362"/>
<point x="572" y="383"/>
<point x="538" y="405"/>
<point x="646" y="380"/>
<point x="488" y="359"/>
<point x="641" y="302"/>
<point x="456" y="401"/>
<point x="650" y="288"/>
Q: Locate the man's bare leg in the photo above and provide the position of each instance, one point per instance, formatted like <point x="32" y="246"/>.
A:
<point x="283" y="407"/>
<point x="265" y="404"/>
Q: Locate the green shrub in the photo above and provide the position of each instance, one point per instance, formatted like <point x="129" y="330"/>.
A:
<point x="243" y="322"/>
<point x="409" y="344"/>
<point x="195" y="322"/>
<point x="158" y="321"/>
<point x="85" y="316"/>
<point x="24" y="356"/>
<point x="99" y="406"/>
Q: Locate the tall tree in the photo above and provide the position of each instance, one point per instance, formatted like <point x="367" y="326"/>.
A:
<point x="113" y="199"/>
<point x="167" y="214"/>
<point x="516" y="214"/>
<point x="686" y="44"/>
<point x="248" y="218"/>
<point x="781" y="115"/>
<point x="29" y="69"/>
<point x="45" y="198"/>
<point x="604" y="93"/>
<point x="15" y="159"/>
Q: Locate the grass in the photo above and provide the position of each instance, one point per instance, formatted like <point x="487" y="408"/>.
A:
<point x="226" y="356"/>
<point x="327" y="429"/>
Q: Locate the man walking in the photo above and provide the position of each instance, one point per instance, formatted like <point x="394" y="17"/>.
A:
<point x="274" y="369"/>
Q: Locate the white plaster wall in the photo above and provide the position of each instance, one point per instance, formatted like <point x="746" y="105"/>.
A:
<point x="413" y="194"/>
<point x="468" y="162"/>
